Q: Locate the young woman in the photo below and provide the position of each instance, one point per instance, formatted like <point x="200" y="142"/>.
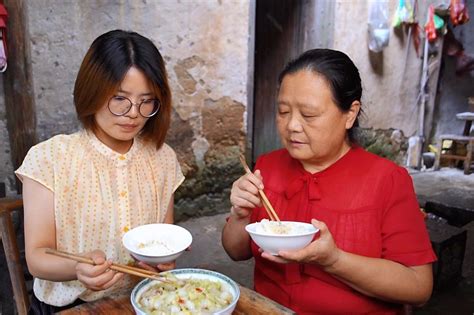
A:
<point x="373" y="253"/>
<point x="83" y="191"/>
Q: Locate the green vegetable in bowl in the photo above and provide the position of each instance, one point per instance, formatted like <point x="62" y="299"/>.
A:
<point x="185" y="296"/>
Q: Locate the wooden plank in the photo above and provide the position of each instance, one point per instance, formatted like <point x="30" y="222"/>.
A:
<point x="253" y="303"/>
<point x="456" y="137"/>
<point x="12" y="254"/>
<point x="453" y="157"/>
<point x="250" y="302"/>
<point x="107" y="305"/>
<point x="18" y="84"/>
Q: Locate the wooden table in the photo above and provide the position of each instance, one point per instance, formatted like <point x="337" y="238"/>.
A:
<point x="250" y="302"/>
<point x="468" y="117"/>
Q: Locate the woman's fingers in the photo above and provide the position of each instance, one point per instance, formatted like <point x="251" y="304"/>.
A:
<point x="159" y="267"/>
<point x="144" y="265"/>
<point x="166" y="266"/>
<point x="98" y="257"/>
<point x="256" y="179"/>
<point x="116" y="278"/>
<point x="101" y="265"/>
<point x="250" y="183"/>
<point x="323" y="229"/>
<point x="322" y="251"/>
<point x="98" y="276"/>
<point x="277" y="259"/>
<point x="245" y="202"/>
<point x="244" y="193"/>
<point x="96" y="282"/>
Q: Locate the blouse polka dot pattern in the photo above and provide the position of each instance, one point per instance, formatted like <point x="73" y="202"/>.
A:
<point x="99" y="194"/>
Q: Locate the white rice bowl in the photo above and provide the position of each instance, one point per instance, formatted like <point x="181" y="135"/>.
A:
<point x="157" y="243"/>
<point x="273" y="236"/>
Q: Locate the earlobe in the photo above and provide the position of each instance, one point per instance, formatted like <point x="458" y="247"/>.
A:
<point x="352" y="114"/>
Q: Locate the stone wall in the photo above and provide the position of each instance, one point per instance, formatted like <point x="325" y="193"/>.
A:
<point x="206" y="48"/>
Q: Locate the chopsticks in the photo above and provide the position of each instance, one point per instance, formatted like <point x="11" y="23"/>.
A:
<point x="266" y="203"/>
<point x="139" y="272"/>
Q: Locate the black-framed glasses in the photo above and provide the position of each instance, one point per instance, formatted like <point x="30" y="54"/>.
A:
<point x="121" y="105"/>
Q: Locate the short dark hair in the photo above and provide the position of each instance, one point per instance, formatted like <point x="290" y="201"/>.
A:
<point x="339" y="72"/>
<point x="104" y="67"/>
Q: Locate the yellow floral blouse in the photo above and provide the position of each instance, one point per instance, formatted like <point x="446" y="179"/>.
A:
<point x="99" y="194"/>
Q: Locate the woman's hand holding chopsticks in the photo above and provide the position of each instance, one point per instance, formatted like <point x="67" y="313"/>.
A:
<point x="249" y="183"/>
<point x="244" y="195"/>
<point x="107" y="272"/>
<point x="99" y="276"/>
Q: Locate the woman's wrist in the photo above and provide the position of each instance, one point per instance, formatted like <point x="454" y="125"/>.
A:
<point x="333" y="266"/>
<point x="234" y="213"/>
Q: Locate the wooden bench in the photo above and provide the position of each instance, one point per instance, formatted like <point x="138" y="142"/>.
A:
<point x="452" y="153"/>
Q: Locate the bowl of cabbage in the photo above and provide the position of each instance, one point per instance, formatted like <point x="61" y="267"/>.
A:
<point x="187" y="291"/>
<point x="274" y="236"/>
<point x="157" y="243"/>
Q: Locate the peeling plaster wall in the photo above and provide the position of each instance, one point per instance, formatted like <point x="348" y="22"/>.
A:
<point x="390" y="79"/>
<point x="206" y="48"/>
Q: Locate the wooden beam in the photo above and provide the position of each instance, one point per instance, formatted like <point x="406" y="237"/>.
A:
<point x="18" y="84"/>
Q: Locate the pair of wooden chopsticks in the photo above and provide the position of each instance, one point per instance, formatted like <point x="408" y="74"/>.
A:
<point x="266" y="203"/>
<point x="117" y="267"/>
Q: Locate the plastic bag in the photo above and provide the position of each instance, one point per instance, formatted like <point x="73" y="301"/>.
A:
<point x="403" y="14"/>
<point x="378" y="27"/>
<point x="430" y="28"/>
<point x="458" y="12"/>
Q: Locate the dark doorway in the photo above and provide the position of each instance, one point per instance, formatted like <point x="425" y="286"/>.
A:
<point x="277" y="40"/>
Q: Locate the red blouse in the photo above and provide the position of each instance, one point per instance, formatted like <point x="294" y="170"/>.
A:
<point x="370" y="208"/>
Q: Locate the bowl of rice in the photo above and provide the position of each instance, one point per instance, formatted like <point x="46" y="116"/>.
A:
<point x="274" y="236"/>
<point x="157" y="243"/>
<point x="186" y="291"/>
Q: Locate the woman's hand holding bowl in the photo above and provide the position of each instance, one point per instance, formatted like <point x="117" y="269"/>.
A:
<point x="323" y="251"/>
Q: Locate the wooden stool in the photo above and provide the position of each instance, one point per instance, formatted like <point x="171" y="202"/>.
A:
<point x="452" y="154"/>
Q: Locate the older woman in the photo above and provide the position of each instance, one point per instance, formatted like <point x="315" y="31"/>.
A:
<point x="373" y="253"/>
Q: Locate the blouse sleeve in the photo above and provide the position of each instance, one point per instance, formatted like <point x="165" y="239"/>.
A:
<point x="38" y="164"/>
<point x="404" y="235"/>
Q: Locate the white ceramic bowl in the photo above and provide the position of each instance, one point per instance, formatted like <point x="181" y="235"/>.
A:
<point x="157" y="243"/>
<point x="300" y="236"/>
<point x="188" y="273"/>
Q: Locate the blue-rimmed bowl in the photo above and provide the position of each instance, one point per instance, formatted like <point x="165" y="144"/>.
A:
<point x="188" y="273"/>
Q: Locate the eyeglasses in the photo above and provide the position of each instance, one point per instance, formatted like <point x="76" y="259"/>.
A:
<point x="121" y="105"/>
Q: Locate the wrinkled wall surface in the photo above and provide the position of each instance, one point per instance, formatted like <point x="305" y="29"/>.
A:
<point x="205" y="46"/>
